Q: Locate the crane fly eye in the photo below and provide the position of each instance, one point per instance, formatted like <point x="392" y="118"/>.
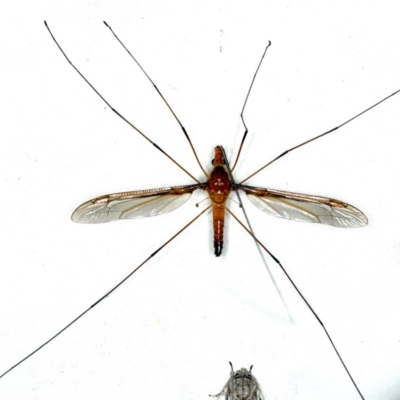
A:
<point x="212" y="161"/>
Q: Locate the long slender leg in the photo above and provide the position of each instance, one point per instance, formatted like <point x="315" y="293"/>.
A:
<point x="165" y="101"/>
<point x="116" y="112"/>
<point x="244" y="106"/>
<point x="303" y="298"/>
<point x="320" y="136"/>
<point x="103" y="297"/>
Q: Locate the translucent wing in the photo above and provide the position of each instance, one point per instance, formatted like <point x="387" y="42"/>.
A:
<point x="130" y="205"/>
<point x="305" y="208"/>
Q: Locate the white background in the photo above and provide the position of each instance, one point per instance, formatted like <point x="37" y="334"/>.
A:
<point x="169" y="332"/>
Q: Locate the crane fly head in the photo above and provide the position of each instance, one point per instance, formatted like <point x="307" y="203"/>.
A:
<point x="218" y="157"/>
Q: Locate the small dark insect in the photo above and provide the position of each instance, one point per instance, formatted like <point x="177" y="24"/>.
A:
<point x="242" y="385"/>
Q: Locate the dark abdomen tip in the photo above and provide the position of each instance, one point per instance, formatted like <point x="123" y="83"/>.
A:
<point x="218" y="248"/>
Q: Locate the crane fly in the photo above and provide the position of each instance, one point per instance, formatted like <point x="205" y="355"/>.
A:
<point x="242" y="385"/>
<point x="219" y="184"/>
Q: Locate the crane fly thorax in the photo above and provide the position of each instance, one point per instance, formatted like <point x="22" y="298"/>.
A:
<point x="219" y="184"/>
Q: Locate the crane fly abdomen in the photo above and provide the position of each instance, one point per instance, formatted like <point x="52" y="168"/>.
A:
<point x="218" y="224"/>
<point x="219" y="186"/>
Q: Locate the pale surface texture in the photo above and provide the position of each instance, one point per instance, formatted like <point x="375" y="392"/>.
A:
<point x="169" y="332"/>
